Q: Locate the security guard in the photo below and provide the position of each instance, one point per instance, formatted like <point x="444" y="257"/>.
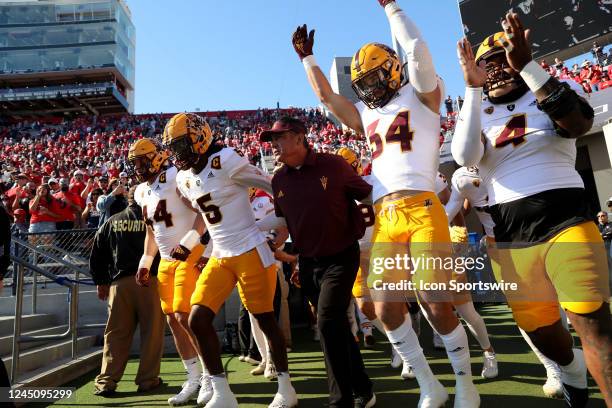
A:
<point x="113" y="264"/>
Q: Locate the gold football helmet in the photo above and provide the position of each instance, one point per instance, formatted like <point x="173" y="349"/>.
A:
<point x="351" y="158"/>
<point x="188" y="136"/>
<point x="499" y="73"/>
<point x="376" y="74"/>
<point x="146" y="159"/>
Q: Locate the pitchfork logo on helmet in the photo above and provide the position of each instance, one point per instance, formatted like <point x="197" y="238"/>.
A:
<point x="351" y="158"/>
<point x="146" y="159"/>
<point x="497" y="72"/>
<point x="376" y="74"/>
<point x="188" y="136"/>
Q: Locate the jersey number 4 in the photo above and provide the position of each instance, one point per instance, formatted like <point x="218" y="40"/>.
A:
<point x="211" y="211"/>
<point x="398" y="132"/>
<point x="513" y="132"/>
<point x="160" y="214"/>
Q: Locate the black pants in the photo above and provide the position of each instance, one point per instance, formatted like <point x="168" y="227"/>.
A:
<point x="327" y="283"/>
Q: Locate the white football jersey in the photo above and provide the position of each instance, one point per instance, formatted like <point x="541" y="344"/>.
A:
<point x="523" y="155"/>
<point x="404" y="140"/>
<point x="163" y="207"/>
<point x="225" y="205"/>
<point x="466" y="184"/>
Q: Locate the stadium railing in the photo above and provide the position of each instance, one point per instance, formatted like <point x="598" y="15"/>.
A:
<point x="42" y="257"/>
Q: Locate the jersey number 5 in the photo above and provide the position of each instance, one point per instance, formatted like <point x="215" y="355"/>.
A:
<point x="211" y="211"/>
<point x="513" y="132"/>
<point x="398" y="132"/>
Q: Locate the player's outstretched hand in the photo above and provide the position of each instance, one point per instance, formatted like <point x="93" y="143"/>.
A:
<point x="518" y="49"/>
<point x="474" y="75"/>
<point x="143" y="276"/>
<point x="385" y="2"/>
<point x="180" y="253"/>
<point x="303" y="41"/>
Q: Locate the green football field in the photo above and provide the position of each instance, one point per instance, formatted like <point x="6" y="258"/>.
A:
<point x="518" y="385"/>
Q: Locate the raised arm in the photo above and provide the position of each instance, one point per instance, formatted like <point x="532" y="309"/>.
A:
<point x="421" y="69"/>
<point x="340" y="106"/>
<point x="467" y="146"/>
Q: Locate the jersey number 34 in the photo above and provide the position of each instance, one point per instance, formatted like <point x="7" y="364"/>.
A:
<point x="398" y="132"/>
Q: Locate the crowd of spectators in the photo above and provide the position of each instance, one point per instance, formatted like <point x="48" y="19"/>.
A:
<point x="63" y="174"/>
<point x="593" y="76"/>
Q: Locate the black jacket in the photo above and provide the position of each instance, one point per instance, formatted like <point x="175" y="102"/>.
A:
<point x="606" y="231"/>
<point x="118" y="246"/>
<point x="5" y="241"/>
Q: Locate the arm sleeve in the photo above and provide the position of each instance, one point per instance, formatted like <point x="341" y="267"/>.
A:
<point x="454" y="205"/>
<point x="251" y="176"/>
<point x="467" y="147"/>
<point x="420" y="63"/>
<point x="101" y="255"/>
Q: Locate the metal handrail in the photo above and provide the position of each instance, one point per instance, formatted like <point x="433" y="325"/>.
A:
<point x="19" y="266"/>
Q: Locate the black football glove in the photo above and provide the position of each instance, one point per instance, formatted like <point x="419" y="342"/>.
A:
<point x="180" y="253"/>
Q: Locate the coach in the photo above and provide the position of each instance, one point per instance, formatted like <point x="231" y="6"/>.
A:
<point x="315" y="194"/>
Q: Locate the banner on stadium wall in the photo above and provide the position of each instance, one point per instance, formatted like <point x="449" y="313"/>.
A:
<point x="555" y="25"/>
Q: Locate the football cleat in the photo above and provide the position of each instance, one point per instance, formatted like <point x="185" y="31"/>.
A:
<point x="466" y="396"/>
<point x="260" y="369"/>
<point x="434" y="395"/>
<point x="408" y="372"/>
<point x="206" y="390"/>
<point x="489" y="365"/>
<point x="284" y="400"/>
<point x="270" y="371"/>
<point x="553" y="388"/>
<point x="222" y="400"/>
<point x="365" y="402"/>
<point x="188" y="392"/>
<point x="251" y="361"/>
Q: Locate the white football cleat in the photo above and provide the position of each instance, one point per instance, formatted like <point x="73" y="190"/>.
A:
<point x="260" y="369"/>
<point x="251" y="360"/>
<point x="396" y="359"/>
<point x="284" y="400"/>
<point x="466" y="396"/>
<point x="408" y="372"/>
<point x="188" y="392"/>
<point x="206" y="390"/>
<point x="553" y="388"/>
<point x="433" y="396"/>
<point x="222" y="400"/>
<point x="270" y="372"/>
<point x="489" y="365"/>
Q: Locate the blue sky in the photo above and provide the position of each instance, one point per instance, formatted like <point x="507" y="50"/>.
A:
<point x="237" y="54"/>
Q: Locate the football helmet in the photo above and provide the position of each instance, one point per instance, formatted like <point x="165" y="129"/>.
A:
<point x="146" y="159"/>
<point x="351" y="158"/>
<point x="497" y="73"/>
<point x="376" y="74"/>
<point x="187" y="136"/>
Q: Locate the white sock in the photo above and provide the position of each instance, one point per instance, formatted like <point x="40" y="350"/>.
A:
<point x="284" y="383"/>
<point x="259" y="337"/>
<point x="194" y="371"/>
<point x="574" y="373"/>
<point x="406" y="344"/>
<point x="379" y="326"/>
<point x="220" y="384"/>
<point x="458" y="352"/>
<point x="475" y="323"/>
<point x="204" y="369"/>
<point x="551" y="366"/>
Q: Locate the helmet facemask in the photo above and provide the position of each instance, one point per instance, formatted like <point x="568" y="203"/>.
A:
<point x="140" y="167"/>
<point x="499" y="77"/>
<point x="376" y="88"/>
<point x="183" y="154"/>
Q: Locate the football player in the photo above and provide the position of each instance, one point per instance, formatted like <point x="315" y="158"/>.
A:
<point x="168" y="220"/>
<point x="463" y="301"/>
<point x="469" y="192"/>
<point x="402" y="124"/>
<point x="523" y="140"/>
<point x="216" y="181"/>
